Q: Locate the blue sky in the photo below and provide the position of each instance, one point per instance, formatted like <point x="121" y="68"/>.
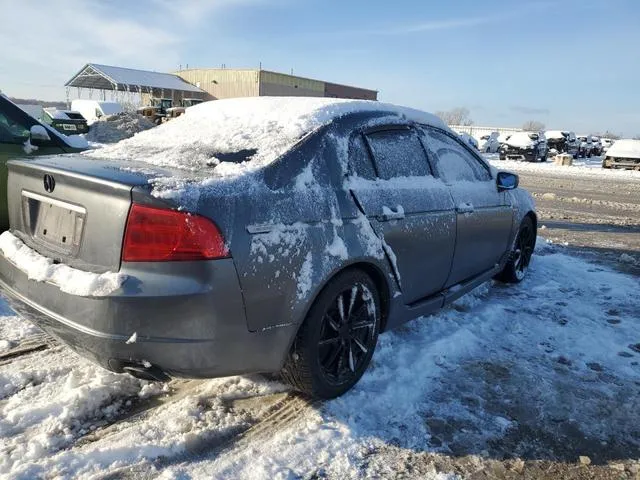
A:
<point x="572" y="64"/>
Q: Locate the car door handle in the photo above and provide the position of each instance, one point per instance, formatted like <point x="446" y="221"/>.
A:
<point x="465" y="208"/>
<point x="390" y="214"/>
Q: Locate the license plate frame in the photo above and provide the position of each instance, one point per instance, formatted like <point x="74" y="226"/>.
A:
<point x="69" y="127"/>
<point x="53" y="223"/>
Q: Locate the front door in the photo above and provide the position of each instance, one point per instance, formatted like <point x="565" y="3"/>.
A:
<point x="484" y="216"/>
<point x="410" y="210"/>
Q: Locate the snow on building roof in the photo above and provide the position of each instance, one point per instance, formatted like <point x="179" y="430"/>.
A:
<point x="107" y="77"/>
<point x="625" y="148"/>
<point x="263" y="128"/>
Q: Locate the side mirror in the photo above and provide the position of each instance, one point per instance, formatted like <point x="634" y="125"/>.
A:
<point x="39" y="133"/>
<point x="507" y="181"/>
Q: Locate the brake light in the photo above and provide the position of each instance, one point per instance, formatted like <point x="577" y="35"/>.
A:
<point x="160" y="235"/>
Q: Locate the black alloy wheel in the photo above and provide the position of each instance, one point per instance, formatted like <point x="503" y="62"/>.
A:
<point x="336" y="341"/>
<point x="347" y="334"/>
<point x="517" y="266"/>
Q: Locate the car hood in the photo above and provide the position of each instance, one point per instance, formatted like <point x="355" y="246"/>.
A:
<point x="625" y="149"/>
<point x="521" y="144"/>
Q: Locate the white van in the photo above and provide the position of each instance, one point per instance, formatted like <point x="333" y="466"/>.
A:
<point x="93" y="110"/>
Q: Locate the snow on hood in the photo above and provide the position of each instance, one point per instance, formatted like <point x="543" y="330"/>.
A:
<point x="260" y="128"/>
<point x="521" y="140"/>
<point x="625" y="149"/>
<point x="554" y="135"/>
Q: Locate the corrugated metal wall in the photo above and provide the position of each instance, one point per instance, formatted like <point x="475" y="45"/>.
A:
<point x="280" y="84"/>
<point x="344" y="91"/>
<point x="223" y="83"/>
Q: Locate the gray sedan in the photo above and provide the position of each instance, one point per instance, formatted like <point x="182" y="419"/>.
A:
<point x="373" y="217"/>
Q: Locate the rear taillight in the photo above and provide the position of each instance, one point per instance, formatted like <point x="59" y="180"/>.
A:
<point x="159" y="235"/>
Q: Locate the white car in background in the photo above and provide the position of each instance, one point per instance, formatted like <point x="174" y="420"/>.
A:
<point x="606" y="144"/>
<point x="93" y="110"/>
<point x="469" y="140"/>
<point x="489" y="143"/>
<point x="623" y="154"/>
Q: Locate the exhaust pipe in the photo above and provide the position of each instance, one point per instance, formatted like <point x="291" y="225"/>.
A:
<point x="143" y="371"/>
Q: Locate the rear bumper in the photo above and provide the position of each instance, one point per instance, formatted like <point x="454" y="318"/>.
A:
<point x="188" y="318"/>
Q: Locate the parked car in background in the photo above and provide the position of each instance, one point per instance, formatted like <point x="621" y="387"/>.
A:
<point x="527" y="146"/>
<point x="586" y="146"/>
<point x="562" y="141"/>
<point x="469" y="140"/>
<point x="503" y="137"/>
<point x="68" y="122"/>
<point x="21" y="135"/>
<point x="489" y="143"/>
<point x="311" y="240"/>
<point x="606" y="144"/>
<point x="623" y="154"/>
<point x="93" y="110"/>
<point x="596" y="146"/>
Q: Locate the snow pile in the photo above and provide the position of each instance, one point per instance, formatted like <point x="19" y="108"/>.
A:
<point x="114" y="128"/>
<point x="241" y="134"/>
<point x="68" y="279"/>
<point x="625" y="149"/>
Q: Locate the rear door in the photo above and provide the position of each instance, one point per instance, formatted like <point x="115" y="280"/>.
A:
<point x="409" y="209"/>
<point x="484" y="215"/>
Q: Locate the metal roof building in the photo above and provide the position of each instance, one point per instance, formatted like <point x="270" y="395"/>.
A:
<point x="105" y="78"/>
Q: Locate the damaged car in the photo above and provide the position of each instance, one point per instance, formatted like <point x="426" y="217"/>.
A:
<point x="623" y="154"/>
<point x="525" y="146"/>
<point x="259" y="235"/>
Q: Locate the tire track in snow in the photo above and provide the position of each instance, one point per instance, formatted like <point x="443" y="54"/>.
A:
<point x="35" y="343"/>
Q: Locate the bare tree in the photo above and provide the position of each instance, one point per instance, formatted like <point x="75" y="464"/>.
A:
<point x="608" y="134"/>
<point x="456" y="116"/>
<point x="532" y="126"/>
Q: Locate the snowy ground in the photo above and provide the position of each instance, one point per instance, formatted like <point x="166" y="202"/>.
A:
<point x="540" y="379"/>
<point x="543" y="372"/>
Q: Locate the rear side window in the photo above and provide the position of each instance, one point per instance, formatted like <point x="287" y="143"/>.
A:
<point x="453" y="161"/>
<point x="360" y="160"/>
<point x="398" y="153"/>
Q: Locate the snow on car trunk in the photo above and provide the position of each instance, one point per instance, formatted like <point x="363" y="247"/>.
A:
<point x="545" y="370"/>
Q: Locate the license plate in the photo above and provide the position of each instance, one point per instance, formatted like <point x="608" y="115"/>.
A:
<point x="56" y="224"/>
<point x="66" y="126"/>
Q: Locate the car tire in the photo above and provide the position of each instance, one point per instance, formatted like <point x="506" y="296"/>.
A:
<point x="337" y="339"/>
<point x="517" y="266"/>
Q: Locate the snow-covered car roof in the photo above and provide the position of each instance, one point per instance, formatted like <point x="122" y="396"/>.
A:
<point x="555" y="134"/>
<point x="520" y="139"/>
<point x="263" y="128"/>
<point x="625" y="148"/>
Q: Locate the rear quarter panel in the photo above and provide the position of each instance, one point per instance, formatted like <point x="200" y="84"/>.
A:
<point x="291" y="235"/>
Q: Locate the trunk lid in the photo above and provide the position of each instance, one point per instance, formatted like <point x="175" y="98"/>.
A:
<point x="73" y="209"/>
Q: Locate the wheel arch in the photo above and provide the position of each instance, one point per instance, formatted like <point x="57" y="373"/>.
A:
<point x="377" y="275"/>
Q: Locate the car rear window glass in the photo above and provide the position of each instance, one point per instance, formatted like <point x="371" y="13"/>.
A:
<point x="453" y="161"/>
<point x="398" y="153"/>
<point x="360" y="160"/>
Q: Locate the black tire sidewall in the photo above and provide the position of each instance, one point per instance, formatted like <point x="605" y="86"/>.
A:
<point x="307" y="342"/>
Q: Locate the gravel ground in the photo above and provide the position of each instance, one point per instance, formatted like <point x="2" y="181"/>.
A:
<point x="596" y="216"/>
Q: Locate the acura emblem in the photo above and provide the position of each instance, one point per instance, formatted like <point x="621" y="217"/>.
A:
<point x="49" y="183"/>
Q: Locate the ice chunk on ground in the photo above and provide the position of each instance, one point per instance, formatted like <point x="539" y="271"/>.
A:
<point x="70" y="280"/>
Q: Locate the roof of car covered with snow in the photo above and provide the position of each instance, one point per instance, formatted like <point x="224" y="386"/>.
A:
<point x="266" y="127"/>
<point x="625" y="148"/>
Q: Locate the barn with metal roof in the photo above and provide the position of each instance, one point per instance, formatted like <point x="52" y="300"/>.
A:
<point x="104" y="78"/>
